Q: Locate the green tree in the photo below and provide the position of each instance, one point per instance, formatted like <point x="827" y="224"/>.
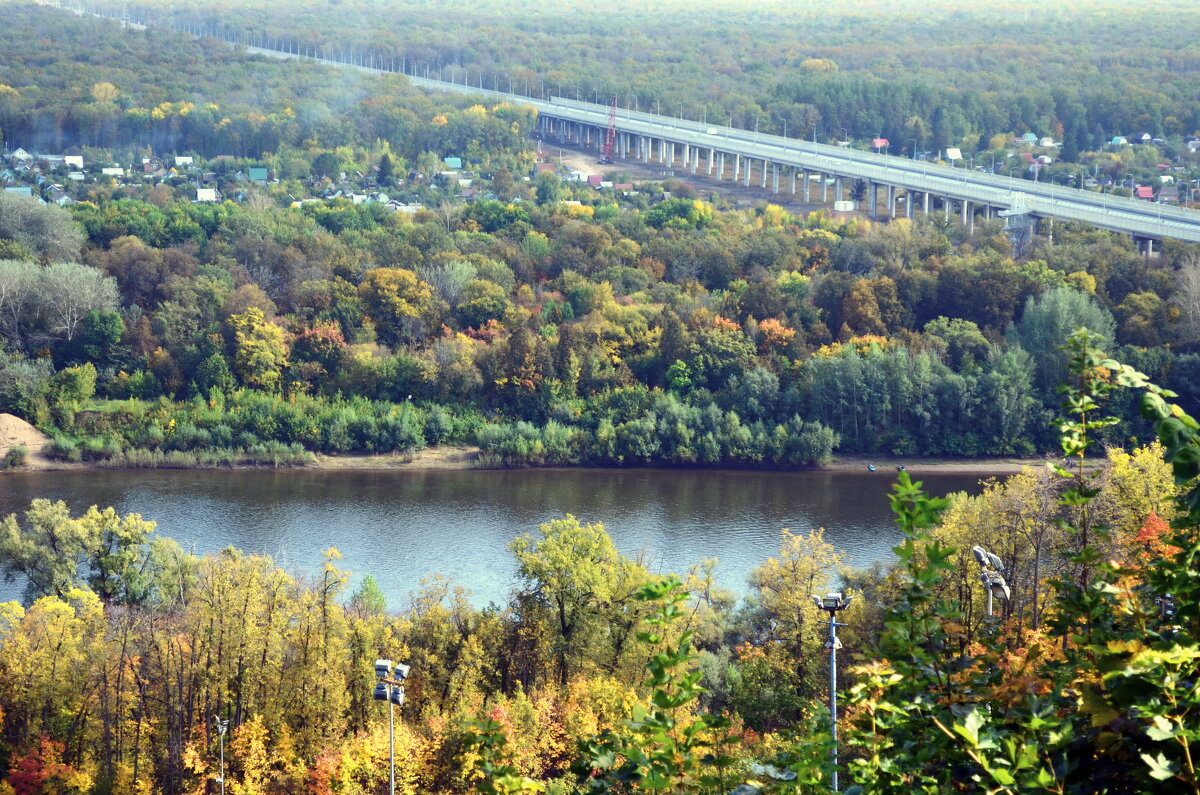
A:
<point x="577" y="573"/>
<point x="1047" y="322"/>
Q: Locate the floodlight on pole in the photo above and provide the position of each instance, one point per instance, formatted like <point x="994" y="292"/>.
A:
<point x="989" y="574"/>
<point x="221" y="726"/>
<point x="389" y="687"/>
<point x="832" y="603"/>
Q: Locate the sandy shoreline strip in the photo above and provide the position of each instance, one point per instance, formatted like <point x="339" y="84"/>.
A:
<point x="463" y="457"/>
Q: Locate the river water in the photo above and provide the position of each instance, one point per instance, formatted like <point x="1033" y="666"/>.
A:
<point x="400" y="526"/>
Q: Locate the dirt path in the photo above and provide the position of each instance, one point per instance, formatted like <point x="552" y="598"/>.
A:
<point x="446" y="457"/>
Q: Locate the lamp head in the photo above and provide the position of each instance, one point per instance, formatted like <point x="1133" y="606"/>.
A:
<point x="381" y="692"/>
<point x="397" y="696"/>
<point x="401" y="671"/>
<point x="383" y="669"/>
<point x="981" y="555"/>
<point x="995" y="561"/>
<point x="832" y="601"/>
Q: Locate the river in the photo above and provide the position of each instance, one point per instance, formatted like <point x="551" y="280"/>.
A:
<point x="400" y="526"/>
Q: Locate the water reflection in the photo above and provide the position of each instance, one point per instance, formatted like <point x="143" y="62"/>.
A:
<point x="401" y="526"/>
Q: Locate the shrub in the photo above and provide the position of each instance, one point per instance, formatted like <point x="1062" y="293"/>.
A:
<point x="15" y="457"/>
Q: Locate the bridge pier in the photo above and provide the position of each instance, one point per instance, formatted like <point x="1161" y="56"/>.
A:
<point x="710" y="160"/>
<point x="891" y="201"/>
<point x="1145" y="246"/>
<point x="763" y="175"/>
<point x="824" y="189"/>
<point x="925" y="207"/>
<point x="793" y="180"/>
<point x="720" y="166"/>
<point x="775" y="177"/>
<point x="873" y="199"/>
<point x="737" y="167"/>
<point x="909" y="198"/>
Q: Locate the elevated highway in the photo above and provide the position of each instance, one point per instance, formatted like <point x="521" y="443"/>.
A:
<point x="791" y="165"/>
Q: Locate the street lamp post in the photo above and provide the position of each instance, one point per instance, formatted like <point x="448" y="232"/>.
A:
<point x="221" y="726"/>
<point x="990" y="576"/>
<point x="832" y="603"/>
<point x="389" y="687"/>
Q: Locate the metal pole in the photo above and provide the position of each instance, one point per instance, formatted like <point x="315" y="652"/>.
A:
<point x="833" y="693"/>
<point x="391" y="745"/>
<point x="222" y="735"/>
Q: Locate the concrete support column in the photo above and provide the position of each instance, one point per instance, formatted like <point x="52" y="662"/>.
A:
<point x="873" y="199"/>
<point x="968" y="217"/>
<point x="793" y="181"/>
<point x="671" y="155"/>
<point x="737" y="167"/>
<point x="711" y="154"/>
<point x="720" y="166"/>
<point x="891" y="201"/>
<point x="837" y="189"/>
<point x="775" y="178"/>
<point x="806" y="178"/>
<point x="746" y="173"/>
<point x="909" y="198"/>
<point x="824" y="189"/>
<point x="946" y="206"/>
<point x="925" y="208"/>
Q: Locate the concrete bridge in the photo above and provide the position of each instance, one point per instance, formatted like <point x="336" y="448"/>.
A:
<point x="788" y="165"/>
<point x="894" y="185"/>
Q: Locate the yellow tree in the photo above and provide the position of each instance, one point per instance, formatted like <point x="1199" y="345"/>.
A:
<point x="1133" y="486"/>
<point x="46" y="653"/>
<point x="248" y="753"/>
<point x="260" y="350"/>
<point x="402" y="306"/>
<point x="1015" y="519"/>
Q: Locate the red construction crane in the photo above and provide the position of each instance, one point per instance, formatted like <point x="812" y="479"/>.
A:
<point x="610" y="139"/>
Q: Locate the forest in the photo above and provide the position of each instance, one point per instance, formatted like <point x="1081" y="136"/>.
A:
<point x="597" y="676"/>
<point x="948" y="76"/>
<point x="542" y="320"/>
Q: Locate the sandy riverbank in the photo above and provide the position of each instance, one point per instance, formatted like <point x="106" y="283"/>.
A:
<point x="14" y="431"/>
